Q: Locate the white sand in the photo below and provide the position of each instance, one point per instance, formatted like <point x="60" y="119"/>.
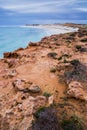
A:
<point x="54" y="29"/>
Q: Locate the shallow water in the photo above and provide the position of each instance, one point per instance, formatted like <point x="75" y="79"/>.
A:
<point x="12" y="38"/>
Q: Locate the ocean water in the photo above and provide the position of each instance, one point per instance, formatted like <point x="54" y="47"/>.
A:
<point x="12" y="38"/>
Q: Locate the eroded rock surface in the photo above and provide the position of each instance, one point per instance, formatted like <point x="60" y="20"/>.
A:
<point x="77" y="91"/>
<point x="26" y="74"/>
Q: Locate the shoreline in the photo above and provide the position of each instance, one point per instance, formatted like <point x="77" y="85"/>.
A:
<point x="51" y="72"/>
<point x="51" y="29"/>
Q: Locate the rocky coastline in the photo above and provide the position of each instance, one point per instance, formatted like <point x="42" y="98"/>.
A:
<point x="49" y="74"/>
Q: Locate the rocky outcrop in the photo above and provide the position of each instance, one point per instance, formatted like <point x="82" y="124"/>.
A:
<point x="47" y="120"/>
<point x="33" y="44"/>
<point x="77" y="91"/>
<point x="22" y="85"/>
<point x="11" y="55"/>
<point x="34" y="88"/>
<point x="27" y="84"/>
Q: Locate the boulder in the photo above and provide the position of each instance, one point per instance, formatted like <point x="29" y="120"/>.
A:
<point x="34" y="88"/>
<point x="22" y="85"/>
<point x="18" y="84"/>
<point x="77" y="91"/>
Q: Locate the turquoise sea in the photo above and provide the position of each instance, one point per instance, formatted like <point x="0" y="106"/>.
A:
<point x="12" y="38"/>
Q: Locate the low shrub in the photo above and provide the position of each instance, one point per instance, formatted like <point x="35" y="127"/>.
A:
<point x="46" y="94"/>
<point x="47" y="120"/>
<point x="75" y="62"/>
<point x="78" y="47"/>
<point x="74" y="123"/>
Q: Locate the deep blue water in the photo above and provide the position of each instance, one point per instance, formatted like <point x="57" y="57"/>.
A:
<point x="12" y="38"/>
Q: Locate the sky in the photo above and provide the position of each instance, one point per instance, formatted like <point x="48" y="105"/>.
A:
<point x="21" y="12"/>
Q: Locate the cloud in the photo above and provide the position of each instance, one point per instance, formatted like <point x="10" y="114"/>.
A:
<point x="82" y="9"/>
<point x="22" y="11"/>
<point x="36" y="6"/>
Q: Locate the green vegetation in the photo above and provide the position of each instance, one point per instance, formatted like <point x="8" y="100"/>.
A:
<point x="75" y="62"/>
<point x="78" y="47"/>
<point x="47" y="120"/>
<point x="46" y="94"/>
<point x="74" y="123"/>
<point x="41" y="109"/>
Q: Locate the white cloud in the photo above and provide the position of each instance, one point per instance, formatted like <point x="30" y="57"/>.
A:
<point x="36" y="6"/>
<point x="82" y="9"/>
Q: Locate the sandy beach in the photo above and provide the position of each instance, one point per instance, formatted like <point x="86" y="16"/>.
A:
<point x="54" y="29"/>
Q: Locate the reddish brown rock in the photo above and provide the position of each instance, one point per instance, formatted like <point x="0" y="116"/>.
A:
<point x="19" y="85"/>
<point x="77" y="91"/>
<point x="34" y="88"/>
<point x="22" y="85"/>
<point x="33" y="44"/>
<point x="11" y="55"/>
<point x="12" y="73"/>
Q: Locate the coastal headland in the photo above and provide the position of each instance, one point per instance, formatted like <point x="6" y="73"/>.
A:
<point x="51" y="73"/>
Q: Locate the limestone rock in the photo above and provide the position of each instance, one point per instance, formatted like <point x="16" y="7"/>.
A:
<point x="76" y="90"/>
<point x="26" y="123"/>
<point x="18" y="84"/>
<point x="51" y="100"/>
<point x="31" y="104"/>
<point x="34" y="88"/>
<point x="25" y="86"/>
<point x="39" y="102"/>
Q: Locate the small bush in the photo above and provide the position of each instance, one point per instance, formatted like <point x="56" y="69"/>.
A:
<point x="74" y="123"/>
<point x="46" y="94"/>
<point x="78" y="72"/>
<point x="75" y="62"/>
<point x="47" y="120"/>
<point x="36" y="114"/>
<point x="78" y="47"/>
